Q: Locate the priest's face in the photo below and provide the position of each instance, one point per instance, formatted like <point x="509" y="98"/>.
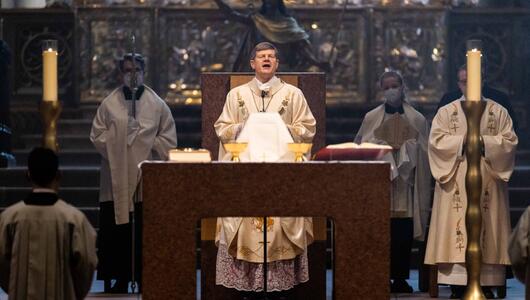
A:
<point x="462" y="81"/>
<point x="265" y="64"/>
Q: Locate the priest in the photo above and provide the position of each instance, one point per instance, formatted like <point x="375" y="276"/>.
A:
<point x="129" y="124"/>
<point x="47" y="247"/>
<point x="266" y="98"/>
<point x="447" y="242"/>
<point x="411" y="180"/>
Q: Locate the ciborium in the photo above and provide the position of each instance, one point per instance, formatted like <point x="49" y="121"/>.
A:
<point x="299" y="149"/>
<point x="235" y="149"/>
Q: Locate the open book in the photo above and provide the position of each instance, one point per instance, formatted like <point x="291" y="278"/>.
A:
<point x="358" y="146"/>
<point x="189" y="155"/>
<point x="353" y="151"/>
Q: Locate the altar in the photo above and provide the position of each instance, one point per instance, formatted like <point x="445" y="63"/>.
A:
<point x="355" y="195"/>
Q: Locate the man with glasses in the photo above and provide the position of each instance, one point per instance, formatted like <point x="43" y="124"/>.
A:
<point x="487" y="91"/>
<point x="129" y="124"/>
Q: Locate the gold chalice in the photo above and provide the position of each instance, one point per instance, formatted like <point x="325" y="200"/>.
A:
<point x="235" y="149"/>
<point x="299" y="150"/>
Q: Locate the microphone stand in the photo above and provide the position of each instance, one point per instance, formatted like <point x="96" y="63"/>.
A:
<point x="133" y="83"/>
<point x="265" y="267"/>
<point x="134" y="88"/>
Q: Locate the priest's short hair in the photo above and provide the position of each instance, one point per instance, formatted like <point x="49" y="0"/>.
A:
<point x="138" y="59"/>
<point x="391" y="73"/>
<point x="264" y="46"/>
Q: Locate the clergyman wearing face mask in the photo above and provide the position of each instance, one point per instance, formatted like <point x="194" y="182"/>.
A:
<point x="127" y="79"/>
<point x="125" y="133"/>
<point x="394" y="96"/>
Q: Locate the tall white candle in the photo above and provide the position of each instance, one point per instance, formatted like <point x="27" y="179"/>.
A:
<point x="474" y="80"/>
<point x="49" y="75"/>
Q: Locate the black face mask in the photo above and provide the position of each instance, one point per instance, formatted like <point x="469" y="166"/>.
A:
<point x="128" y="93"/>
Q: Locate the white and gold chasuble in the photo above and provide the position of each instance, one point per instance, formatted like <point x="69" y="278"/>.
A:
<point x="287" y="237"/>
<point x="282" y="98"/>
<point x="447" y="240"/>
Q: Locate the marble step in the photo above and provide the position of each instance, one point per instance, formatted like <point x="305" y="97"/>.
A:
<point x="77" y="196"/>
<point x="72" y="176"/>
<point x="66" y="141"/>
<point x="82" y="141"/>
<point x="67" y="157"/>
<point x="82" y="126"/>
<point x="88" y="111"/>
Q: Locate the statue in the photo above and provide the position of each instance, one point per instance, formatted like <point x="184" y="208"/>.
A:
<point x="273" y="24"/>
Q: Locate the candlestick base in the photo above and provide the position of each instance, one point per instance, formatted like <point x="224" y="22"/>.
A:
<point x="50" y="111"/>
<point x="473" y="111"/>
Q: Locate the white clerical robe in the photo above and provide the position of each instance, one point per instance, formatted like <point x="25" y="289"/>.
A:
<point x="47" y="252"/>
<point x="411" y="180"/>
<point x="285" y="99"/>
<point x="518" y="250"/>
<point x="447" y="236"/>
<point x="242" y="238"/>
<point x="123" y="146"/>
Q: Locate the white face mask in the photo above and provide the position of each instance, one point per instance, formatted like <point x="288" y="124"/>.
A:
<point x="139" y="79"/>
<point x="393" y="97"/>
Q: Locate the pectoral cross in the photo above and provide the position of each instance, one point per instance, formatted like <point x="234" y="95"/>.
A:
<point x="491" y="126"/>
<point x="486" y="207"/>
<point x="460" y="247"/>
<point x="457" y="207"/>
<point x="453" y="127"/>
<point x="491" y="122"/>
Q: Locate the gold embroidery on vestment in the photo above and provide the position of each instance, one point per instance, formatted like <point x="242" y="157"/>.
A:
<point x="492" y="122"/>
<point x="457" y="202"/>
<point x="285" y="102"/>
<point x="459" y="236"/>
<point x="258" y="223"/>
<point x="454" y="121"/>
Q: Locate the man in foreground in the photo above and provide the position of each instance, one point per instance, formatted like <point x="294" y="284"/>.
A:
<point x="47" y="247"/>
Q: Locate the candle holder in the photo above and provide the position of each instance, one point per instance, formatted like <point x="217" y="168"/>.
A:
<point x="473" y="109"/>
<point x="299" y="149"/>
<point x="50" y="111"/>
<point x="235" y="149"/>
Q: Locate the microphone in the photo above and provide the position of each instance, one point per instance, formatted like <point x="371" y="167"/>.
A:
<point x="264" y="94"/>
